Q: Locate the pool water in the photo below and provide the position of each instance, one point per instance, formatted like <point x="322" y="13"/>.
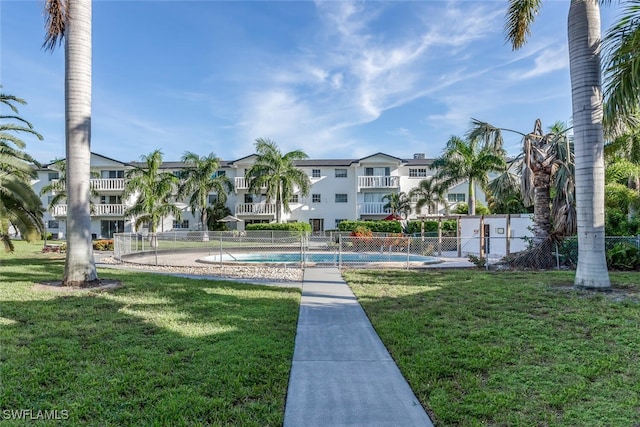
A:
<point x="319" y="257"/>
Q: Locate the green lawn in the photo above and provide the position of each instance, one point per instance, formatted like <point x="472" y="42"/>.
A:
<point x="158" y="351"/>
<point x="510" y="349"/>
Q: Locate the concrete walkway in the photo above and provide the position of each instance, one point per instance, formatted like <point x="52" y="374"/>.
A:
<point x="342" y="375"/>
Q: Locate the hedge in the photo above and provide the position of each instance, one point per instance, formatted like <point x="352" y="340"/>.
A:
<point x="449" y="227"/>
<point x="288" y="226"/>
<point x="375" y="226"/>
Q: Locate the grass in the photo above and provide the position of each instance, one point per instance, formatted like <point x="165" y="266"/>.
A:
<point x="510" y="349"/>
<point x="158" y="351"/>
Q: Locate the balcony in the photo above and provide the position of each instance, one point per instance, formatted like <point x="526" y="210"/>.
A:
<point x="256" y="209"/>
<point x="378" y="182"/>
<point x="373" y="208"/>
<point x="96" y="210"/>
<point x="107" y="184"/>
<point x="242" y="183"/>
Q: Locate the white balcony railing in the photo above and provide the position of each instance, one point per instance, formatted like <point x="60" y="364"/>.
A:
<point x="107" y="184"/>
<point x="373" y="208"/>
<point x="378" y="182"/>
<point x="256" y="209"/>
<point x="96" y="210"/>
<point x="242" y="183"/>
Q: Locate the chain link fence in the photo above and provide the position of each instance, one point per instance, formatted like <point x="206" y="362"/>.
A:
<point x="278" y="248"/>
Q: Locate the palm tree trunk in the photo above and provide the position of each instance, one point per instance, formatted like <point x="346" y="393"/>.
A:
<point x="542" y="206"/>
<point x="80" y="267"/>
<point x="586" y="94"/>
<point x="472" y="198"/>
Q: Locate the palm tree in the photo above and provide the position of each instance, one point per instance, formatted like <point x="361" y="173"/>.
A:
<point x="621" y="77"/>
<point x="469" y="160"/>
<point x="546" y="162"/>
<point x="154" y="191"/>
<point x="216" y="212"/>
<point x="429" y="193"/>
<point x="503" y="193"/>
<point x="201" y="177"/>
<point x="58" y="188"/>
<point x="398" y="203"/>
<point x="277" y="174"/>
<point x="20" y="207"/>
<point x="584" y="63"/>
<point x="71" y="20"/>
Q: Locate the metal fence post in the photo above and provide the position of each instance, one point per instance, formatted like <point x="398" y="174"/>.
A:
<point x="220" y="250"/>
<point x="408" y="250"/>
<point x="340" y="251"/>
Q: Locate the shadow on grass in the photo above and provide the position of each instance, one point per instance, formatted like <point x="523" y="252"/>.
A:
<point x="484" y="348"/>
<point x="159" y="351"/>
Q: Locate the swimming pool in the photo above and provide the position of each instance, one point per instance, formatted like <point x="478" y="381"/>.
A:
<point x="319" y="258"/>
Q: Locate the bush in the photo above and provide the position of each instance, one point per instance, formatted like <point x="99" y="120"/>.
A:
<point x="103" y="245"/>
<point x="301" y="227"/>
<point x="54" y="248"/>
<point x="374" y="226"/>
<point x="479" y="262"/>
<point x="623" y="256"/>
<point x="449" y="227"/>
<point x="463" y="209"/>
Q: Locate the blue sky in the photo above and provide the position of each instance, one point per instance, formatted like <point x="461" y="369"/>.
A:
<point x="336" y="79"/>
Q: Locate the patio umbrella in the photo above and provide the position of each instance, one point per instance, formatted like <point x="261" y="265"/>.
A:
<point x="230" y="218"/>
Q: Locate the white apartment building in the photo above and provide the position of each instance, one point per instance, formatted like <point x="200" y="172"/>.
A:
<point x="341" y="189"/>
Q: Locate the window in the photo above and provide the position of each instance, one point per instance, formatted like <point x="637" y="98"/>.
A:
<point x="112" y="174"/>
<point x="315" y="173"/>
<point x="315" y="198"/>
<point x="294" y="198"/>
<point x="53" y="175"/>
<point x="218" y="173"/>
<point x="456" y="197"/>
<point x="341" y="173"/>
<point x="338" y="221"/>
<point x="417" y="173"/>
<point x="181" y="224"/>
<point x="51" y="224"/>
<point x="248" y="198"/>
<point x="341" y="197"/>
<point x="49" y="199"/>
<point x="180" y="174"/>
<point x="377" y="171"/>
<point x="213" y="199"/>
<point x="110" y="200"/>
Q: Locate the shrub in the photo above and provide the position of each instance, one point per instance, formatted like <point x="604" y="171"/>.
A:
<point x="449" y="227"/>
<point x="623" y="256"/>
<point x="103" y="245"/>
<point x="374" y="226"/>
<point x="301" y="227"/>
<point x="362" y="231"/>
<point x="478" y="261"/>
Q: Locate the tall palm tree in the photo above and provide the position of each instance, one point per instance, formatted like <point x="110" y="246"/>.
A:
<point x="201" y="177"/>
<point x="277" y="174"/>
<point x="20" y="207"/>
<point x="429" y="193"/>
<point x="586" y="94"/>
<point x="398" y="203"/>
<point x="71" y="20"/>
<point x="154" y="190"/>
<point x="469" y="160"/>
